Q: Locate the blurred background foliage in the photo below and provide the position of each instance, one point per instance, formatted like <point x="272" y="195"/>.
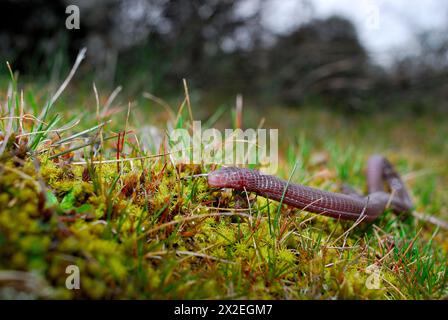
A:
<point x="223" y="49"/>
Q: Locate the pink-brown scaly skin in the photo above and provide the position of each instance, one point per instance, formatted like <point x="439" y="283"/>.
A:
<point x="336" y="205"/>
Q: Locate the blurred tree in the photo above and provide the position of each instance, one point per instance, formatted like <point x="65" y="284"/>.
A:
<point x="31" y="32"/>
<point x="192" y="39"/>
<point x="322" y="57"/>
<point x="417" y="82"/>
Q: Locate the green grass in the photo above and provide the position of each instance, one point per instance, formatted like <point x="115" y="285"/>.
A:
<point x="136" y="229"/>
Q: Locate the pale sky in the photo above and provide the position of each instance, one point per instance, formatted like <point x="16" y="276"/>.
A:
<point x="385" y="26"/>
